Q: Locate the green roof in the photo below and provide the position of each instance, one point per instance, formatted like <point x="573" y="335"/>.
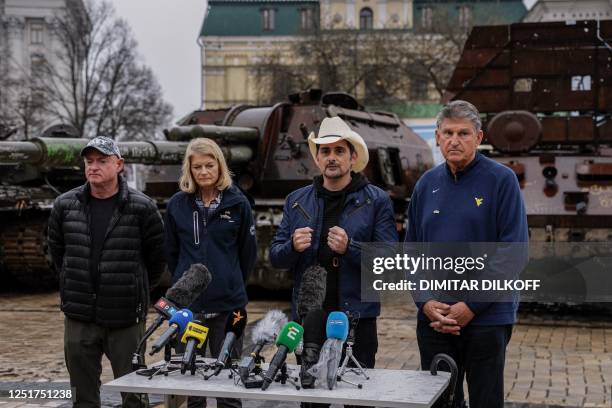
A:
<point x="243" y="17"/>
<point x="484" y="12"/>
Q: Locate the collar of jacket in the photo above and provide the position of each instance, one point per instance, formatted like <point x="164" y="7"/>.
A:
<point x="462" y="173"/>
<point x="84" y="193"/>
<point x="358" y="182"/>
<point x="230" y="197"/>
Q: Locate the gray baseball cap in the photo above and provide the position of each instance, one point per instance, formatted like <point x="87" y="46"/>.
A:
<point x="104" y="145"/>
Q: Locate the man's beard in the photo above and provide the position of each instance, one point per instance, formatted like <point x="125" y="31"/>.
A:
<point x="338" y="174"/>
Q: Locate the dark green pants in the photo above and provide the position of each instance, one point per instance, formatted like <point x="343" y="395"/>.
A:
<point x="84" y="345"/>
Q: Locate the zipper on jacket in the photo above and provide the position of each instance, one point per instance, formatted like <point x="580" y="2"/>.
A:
<point x="97" y="282"/>
<point x="196" y="228"/>
<point x="114" y="220"/>
<point x="302" y="210"/>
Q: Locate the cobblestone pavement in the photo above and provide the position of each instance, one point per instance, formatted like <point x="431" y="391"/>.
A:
<point x="549" y="364"/>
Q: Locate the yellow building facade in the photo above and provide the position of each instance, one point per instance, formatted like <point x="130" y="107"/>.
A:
<point x="236" y="35"/>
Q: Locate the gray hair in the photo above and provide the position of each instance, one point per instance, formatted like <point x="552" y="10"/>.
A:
<point x="460" y="110"/>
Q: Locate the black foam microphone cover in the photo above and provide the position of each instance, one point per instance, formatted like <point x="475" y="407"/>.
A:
<point x="312" y="290"/>
<point x="186" y="290"/>
<point x="314" y="337"/>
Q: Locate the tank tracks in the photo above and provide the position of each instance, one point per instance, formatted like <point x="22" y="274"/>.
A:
<point x="24" y="254"/>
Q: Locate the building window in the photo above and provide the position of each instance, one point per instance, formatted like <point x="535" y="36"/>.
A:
<point x="37" y="65"/>
<point x="366" y="19"/>
<point x="427" y="17"/>
<point x="307" y="19"/>
<point x="37" y="30"/>
<point x="465" y="16"/>
<point x="419" y="90"/>
<point x="267" y="16"/>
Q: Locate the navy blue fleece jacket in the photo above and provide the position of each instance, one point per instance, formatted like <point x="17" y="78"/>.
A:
<point x="226" y="245"/>
<point x="483" y="203"/>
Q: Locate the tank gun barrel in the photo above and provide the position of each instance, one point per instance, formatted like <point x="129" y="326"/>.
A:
<point x="231" y="134"/>
<point x="66" y="152"/>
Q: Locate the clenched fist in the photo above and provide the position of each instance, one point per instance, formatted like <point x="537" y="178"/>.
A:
<point x="302" y="238"/>
<point x="337" y="240"/>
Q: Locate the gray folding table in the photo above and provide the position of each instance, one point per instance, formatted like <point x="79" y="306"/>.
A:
<point x="387" y="388"/>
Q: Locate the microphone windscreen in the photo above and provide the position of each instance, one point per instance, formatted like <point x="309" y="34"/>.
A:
<point x="190" y="286"/>
<point x="181" y="319"/>
<point x="337" y="326"/>
<point x="267" y="328"/>
<point x="312" y="290"/>
<point x="315" y="327"/>
<point x="290" y="336"/>
<point x="236" y="322"/>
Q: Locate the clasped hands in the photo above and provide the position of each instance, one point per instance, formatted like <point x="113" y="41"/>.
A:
<point x="337" y="239"/>
<point x="447" y="318"/>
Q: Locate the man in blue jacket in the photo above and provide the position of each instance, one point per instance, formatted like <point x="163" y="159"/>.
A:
<point x="469" y="198"/>
<point x="324" y="224"/>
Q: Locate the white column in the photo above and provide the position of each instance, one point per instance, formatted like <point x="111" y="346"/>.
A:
<point x="407" y="17"/>
<point x="350" y="13"/>
<point x="325" y="14"/>
<point x="200" y="42"/>
<point x="16" y="41"/>
<point x="381" y="19"/>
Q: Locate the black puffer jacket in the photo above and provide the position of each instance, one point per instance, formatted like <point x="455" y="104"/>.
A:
<point x="131" y="258"/>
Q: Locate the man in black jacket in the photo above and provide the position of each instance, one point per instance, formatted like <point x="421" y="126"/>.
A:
<point x="106" y="241"/>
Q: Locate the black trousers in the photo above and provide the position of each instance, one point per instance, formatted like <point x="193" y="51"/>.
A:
<point x="214" y="342"/>
<point x="84" y="346"/>
<point x="480" y="354"/>
<point x="364" y="350"/>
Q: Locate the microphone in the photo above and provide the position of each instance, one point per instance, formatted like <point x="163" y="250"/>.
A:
<point x="337" y="326"/>
<point x="194" y="337"/>
<point x="314" y="336"/>
<point x="287" y="341"/>
<point x="312" y="290"/>
<point x="331" y="352"/>
<point x="234" y="327"/>
<point x="177" y="324"/>
<point x="186" y="290"/>
<point x="165" y="309"/>
<point x="264" y="333"/>
<point x="337" y="329"/>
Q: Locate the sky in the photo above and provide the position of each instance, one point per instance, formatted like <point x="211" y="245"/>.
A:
<point x="167" y="31"/>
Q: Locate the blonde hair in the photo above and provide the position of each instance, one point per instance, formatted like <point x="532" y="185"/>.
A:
<point x="206" y="147"/>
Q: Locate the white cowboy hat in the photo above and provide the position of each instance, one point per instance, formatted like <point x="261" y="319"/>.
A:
<point x="334" y="129"/>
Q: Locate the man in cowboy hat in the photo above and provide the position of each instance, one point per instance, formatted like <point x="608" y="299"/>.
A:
<point x="324" y="223"/>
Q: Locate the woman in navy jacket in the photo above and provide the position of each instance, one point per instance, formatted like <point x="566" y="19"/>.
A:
<point x="210" y="222"/>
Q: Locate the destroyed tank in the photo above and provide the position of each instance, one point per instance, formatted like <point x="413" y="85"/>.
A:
<point x="545" y="94"/>
<point x="267" y="151"/>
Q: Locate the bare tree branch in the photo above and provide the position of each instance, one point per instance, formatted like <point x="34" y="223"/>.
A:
<point x="96" y="83"/>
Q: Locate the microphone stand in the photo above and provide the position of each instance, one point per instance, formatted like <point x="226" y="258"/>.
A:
<point x="163" y="369"/>
<point x="284" y="376"/>
<point x="138" y="360"/>
<point x="349" y="356"/>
